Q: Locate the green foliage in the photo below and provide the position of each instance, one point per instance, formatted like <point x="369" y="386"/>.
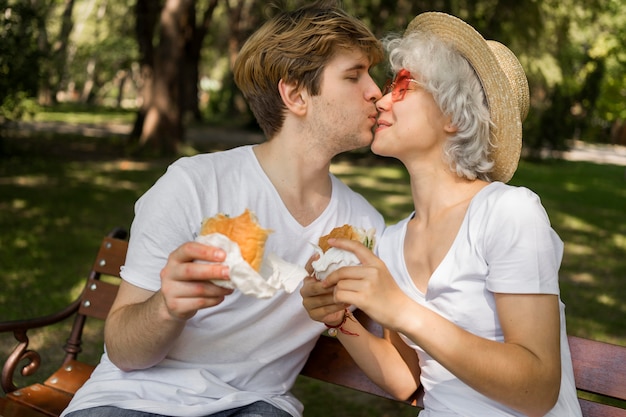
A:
<point x="105" y="49"/>
<point x="577" y="72"/>
<point x="19" y="58"/>
<point x="573" y="53"/>
<point x="18" y="105"/>
<point x="79" y="113"/>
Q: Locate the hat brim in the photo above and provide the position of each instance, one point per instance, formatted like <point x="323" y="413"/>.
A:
<point x="506" y="132"/>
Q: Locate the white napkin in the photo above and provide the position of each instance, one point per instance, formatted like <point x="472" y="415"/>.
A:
<point x="333" y="259"/>
<point x="275" y="274"/>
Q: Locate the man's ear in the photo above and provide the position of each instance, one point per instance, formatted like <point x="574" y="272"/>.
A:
<point x="294" y="97"/>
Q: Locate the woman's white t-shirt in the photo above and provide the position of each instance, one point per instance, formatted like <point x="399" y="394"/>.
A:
<point x="245" y="349"/>
<point x="505" y="245"/>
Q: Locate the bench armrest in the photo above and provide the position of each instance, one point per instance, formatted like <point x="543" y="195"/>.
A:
<point x="21" y="352"/>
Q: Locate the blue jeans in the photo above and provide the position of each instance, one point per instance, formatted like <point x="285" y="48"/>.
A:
<point x="257" y="409"/>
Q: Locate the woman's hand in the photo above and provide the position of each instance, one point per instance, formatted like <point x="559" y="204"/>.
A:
<point x="370" y="287"/>
<point x="319" y="302"/>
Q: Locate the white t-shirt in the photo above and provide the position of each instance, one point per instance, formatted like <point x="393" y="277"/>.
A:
<point x="245" y="349"/>
<point x="504" y="245"/>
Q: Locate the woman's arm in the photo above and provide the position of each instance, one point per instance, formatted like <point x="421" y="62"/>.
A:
<point x="387" y="361"/>
<point x="522" y="373"/>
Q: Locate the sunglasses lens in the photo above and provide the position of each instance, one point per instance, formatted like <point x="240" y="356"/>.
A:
<point x="398" y="86"/>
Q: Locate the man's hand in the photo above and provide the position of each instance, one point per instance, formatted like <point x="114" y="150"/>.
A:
<point x="187" y="279"/>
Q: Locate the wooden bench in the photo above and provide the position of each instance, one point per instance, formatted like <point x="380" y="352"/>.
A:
<point x="600" y="368"/>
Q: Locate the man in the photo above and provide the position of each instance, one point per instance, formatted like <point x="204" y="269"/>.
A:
<point x="176" y="343"/>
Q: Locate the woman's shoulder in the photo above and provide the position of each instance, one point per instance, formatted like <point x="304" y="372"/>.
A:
<point x="500" y="196"/>
<point x="504" y="206"/>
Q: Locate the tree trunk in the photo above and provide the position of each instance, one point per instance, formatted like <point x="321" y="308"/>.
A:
<point x="193" y="46"/>
<point x="146" y="15"/>
<point x="243" y="19"/>
<point x="163" y="127"/>
<point x="45" y="97"/>
<point x="60" y="48"/>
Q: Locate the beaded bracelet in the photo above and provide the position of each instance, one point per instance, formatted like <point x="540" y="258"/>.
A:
<point x="333" y="330"/>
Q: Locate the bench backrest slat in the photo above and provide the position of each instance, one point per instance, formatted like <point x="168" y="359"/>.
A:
<point x="599" y="367"/>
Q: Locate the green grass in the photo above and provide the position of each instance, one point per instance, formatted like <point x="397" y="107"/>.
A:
<point x="60" y="194"/>
<point x="81" y="113"/>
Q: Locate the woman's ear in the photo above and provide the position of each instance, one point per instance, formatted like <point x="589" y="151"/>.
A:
<point x="294" y="97"/>
<point x="450" y="127"/>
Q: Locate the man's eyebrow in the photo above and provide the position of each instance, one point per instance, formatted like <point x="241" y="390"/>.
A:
<point x="357" y="67"/>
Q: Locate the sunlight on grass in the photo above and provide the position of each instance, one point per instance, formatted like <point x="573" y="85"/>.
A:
<point x="23" y="208"/>
<point x="102" y="180"/>
<point x="576" y="223"/>
<point x="390" y="172"/>
<point x="98" y="174"/>
<point x="607" y="300"/>
<point x="76" y="113"/>
<point x="126" y="165"/>
<point x="18" y="204"/>
<point x="28" y="180"/>
<point x="385" y="186"/>
<point x="76" y="289"/>
<point x="573" y="187"/>
<point x="578" y="249"/>
<point x="20" y="243"/>
<point x="582" y="278"/>
<point x="619" y="240"/>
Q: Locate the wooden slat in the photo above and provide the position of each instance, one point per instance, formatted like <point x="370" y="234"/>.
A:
<point x="42" y="398"/>
<point x="15" y="409"/>
<point x="599" y="367"/>
<point x="98" y="298"/>
<point x="111" y="256"/>
<point x="70" y="377"/>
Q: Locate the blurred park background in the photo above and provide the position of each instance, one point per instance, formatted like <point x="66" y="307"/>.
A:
<point x="170" y="60"/>
<point x="97" y="97"/>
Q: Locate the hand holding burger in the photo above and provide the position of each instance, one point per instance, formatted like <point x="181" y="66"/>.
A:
<point x="333" y="258"/>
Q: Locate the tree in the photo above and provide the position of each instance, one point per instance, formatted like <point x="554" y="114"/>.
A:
<point x="53" y="47"/>
<point x="573" y="54"/>
<point x="169" y="69"/>
<point x="19" y="55"/>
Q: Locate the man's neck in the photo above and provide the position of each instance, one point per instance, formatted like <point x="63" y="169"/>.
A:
<point x="300" y="177"/>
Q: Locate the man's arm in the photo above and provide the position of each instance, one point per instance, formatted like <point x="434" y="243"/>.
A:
<point x="143" y="325"/>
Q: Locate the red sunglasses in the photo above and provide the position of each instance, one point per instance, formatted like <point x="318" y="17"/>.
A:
<point x="399" y="85"/>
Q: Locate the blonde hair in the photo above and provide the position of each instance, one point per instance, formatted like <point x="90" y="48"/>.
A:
<point x="295" y="46"/>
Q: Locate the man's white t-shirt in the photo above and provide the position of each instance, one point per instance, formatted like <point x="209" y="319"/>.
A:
<point x="245" y="349"/>
<point x="505" y="245"/>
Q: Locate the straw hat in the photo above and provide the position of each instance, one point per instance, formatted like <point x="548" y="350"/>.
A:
<point x="503" y="80"/>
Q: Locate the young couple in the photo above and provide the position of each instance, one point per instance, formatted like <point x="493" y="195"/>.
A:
<point x="466" y="287"/>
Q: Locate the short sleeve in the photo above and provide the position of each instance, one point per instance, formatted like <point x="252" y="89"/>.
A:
<point x="522" y="251"/>
<point x="166" y="216"/>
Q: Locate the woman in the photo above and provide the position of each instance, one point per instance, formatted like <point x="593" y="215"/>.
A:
<point x="466" y="287"/>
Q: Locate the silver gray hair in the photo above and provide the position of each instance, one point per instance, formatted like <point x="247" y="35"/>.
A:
<point x="457" y="90"/>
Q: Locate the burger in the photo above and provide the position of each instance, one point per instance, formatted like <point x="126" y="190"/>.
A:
<point x="244" y="230"/>
<point x="348" y="232"/>
<point x="332" y="258"/>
